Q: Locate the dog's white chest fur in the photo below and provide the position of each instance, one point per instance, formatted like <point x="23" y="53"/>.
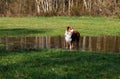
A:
<point x="68" y="36"/>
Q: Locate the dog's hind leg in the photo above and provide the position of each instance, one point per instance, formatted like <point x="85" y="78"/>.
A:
<point x="77" y="44"/>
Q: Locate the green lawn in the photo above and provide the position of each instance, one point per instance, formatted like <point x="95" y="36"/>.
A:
<point x="31" y="26"/>
<point x="59" y="64"/>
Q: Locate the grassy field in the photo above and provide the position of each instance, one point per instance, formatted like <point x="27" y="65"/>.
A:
<point x="53" y="63"/>
<point x="31" y="26"/>
<point x="59" y="64"/>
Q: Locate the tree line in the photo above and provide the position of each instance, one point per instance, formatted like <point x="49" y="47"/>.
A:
<point x="59" y="7"/>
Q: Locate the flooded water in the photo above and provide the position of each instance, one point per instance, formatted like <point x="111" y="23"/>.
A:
<point x="87" y="43"/>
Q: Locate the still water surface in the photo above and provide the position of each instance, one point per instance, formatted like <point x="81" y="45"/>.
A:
<point x="87" y="43"/>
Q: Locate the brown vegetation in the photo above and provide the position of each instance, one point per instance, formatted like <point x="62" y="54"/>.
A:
<point x="59" y="7"/>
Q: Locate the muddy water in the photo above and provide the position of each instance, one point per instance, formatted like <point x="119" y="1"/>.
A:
<point x="87" y="43"/>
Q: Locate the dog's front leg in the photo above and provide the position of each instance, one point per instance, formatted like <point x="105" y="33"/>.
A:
<point x="70" y="46"/>
<point x="66" y="45"/>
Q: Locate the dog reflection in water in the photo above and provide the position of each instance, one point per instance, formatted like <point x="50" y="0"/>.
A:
<point x="72" y="38"/>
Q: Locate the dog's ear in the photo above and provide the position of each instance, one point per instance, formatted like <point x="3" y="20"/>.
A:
<point x="68" y="27"/>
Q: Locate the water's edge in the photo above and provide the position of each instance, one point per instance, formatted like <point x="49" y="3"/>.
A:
<point x="87" y="43"/>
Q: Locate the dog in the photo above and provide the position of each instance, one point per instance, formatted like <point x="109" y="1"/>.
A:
<point x="68" y="39"/>
<point x="71" y="38"/>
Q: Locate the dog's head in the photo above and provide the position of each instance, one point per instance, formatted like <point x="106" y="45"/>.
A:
<point x="69" y="29"/>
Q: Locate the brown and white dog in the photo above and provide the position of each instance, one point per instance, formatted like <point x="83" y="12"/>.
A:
<point x="72" y="38"/>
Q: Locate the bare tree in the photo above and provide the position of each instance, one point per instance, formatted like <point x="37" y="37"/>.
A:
<point x="59" y="7"/>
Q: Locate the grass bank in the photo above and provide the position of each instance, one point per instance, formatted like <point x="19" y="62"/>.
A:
<point x="59" y="64"/>
<point x="53" y="26"/>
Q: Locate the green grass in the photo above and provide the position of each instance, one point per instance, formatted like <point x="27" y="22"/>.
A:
<point x="59" y="64"/>
<point x="52" y="26"/>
